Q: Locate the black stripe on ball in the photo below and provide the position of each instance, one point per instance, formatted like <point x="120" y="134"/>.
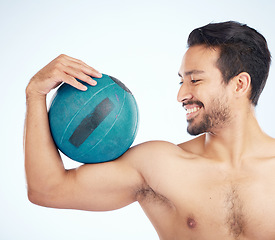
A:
<point x="119" y="83"/>
<point x="91" y="122"/>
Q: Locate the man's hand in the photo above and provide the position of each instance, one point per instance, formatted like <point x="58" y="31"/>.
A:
<point x="62" y="69"/>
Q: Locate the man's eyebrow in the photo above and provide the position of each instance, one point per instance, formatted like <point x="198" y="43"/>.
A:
<point x="191" y="72"/>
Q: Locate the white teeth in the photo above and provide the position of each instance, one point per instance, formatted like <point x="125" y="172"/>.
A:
<point x="192" y="110"/>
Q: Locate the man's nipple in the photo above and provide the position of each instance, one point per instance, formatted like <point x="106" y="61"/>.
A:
<point x="191" y="223"/>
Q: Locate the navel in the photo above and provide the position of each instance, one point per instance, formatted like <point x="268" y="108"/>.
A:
<point x="191" y="223"/>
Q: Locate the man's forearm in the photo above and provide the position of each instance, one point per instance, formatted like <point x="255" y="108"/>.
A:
<point x="44" y="168"/>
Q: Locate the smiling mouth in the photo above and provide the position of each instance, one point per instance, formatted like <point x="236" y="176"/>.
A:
<point x="191" y="111"/>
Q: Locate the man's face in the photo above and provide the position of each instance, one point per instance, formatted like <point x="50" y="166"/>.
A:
<point x="203" y="93"/>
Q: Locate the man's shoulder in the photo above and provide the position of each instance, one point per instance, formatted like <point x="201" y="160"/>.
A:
<point x="193" y="146"/>
<point x="159" y="153"/>
<point x="158" y="147"/>
<point x="266" y="149"/>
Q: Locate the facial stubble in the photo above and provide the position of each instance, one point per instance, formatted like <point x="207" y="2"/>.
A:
<point x="218" y="117"/>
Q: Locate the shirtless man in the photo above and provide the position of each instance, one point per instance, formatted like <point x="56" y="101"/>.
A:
<point x="220" y="185"/>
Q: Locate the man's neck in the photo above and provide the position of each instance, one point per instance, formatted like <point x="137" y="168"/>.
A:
<point x="237" y="141"/>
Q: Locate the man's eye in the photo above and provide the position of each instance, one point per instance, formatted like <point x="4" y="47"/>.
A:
<point x="181" y="82"/>
<point x="194" y="81"/>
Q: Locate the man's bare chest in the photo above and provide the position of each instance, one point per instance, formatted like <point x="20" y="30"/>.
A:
<point x="229" y="206"/>
<point x="232" y="210"/>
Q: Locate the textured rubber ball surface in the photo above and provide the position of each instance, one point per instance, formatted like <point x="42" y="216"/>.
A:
<point x="97" y="125"/>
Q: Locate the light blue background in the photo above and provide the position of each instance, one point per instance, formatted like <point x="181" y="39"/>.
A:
<point x="139" y="42"/>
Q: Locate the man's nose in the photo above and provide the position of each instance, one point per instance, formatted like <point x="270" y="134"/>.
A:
<point x="184" y="93"/>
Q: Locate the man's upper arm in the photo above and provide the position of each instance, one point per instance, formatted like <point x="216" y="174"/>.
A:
<point x="110" y="185"/>
<point x="99" y="187"/>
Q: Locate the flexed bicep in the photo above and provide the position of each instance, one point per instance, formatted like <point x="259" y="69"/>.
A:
<point x="98" y="187"/>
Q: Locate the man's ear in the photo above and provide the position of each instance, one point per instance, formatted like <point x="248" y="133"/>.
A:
<point x="242" y="84"/>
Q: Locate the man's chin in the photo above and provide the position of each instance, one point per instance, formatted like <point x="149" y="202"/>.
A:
<point x="196" y="130"/>
<point x="193" y="132"/>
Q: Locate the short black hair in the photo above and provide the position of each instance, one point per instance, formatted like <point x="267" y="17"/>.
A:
<point x="242" y="49"/>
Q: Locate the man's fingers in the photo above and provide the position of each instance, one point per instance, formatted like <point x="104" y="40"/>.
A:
<point x="88" y="69"/>
<point x="73" y="82"/>
<point x="78" y="64"/>
<point x="79" y="74"/>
